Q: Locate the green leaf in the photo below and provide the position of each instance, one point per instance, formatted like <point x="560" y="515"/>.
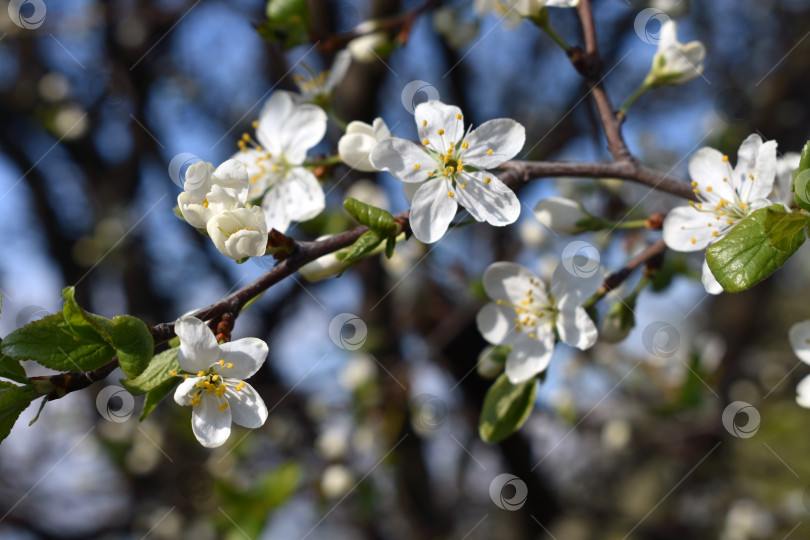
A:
<point x="756" y="247"/>
<point x="390" y="246"/>
<point x="801" y="179"/>
<point x="506" y="408"/>
<point x="287" y="22"/>
<point x="372" y="217"/>
<point x="57" y="345"/>
<point x="11" y="369"/>
<point x="13" y="401"/>
<point x="156" y="395"/>
<point x="156" y="373"/>
<point x="364" y="245"/>
<point x="128" y="335"/>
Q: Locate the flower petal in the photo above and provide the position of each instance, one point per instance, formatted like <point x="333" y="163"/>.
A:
<point x="575" y="279"/>
<point x="232" y="175"/>
<point x="687" y="229"/>
<point x="247" y="355"/>
<point x="764" y="171"/>
<point x="354" y="150"/>
<point x="494" y="142"/>
<point x="575" y="327"/>
<point x="511" y="281"/>
<point x="713" y="175"/>
<point x="198" y="345"/>
<point x="530" y="358"/>
<point x="488" y="199"/>
<point x="340" y="66"/>
<point x="211" y="426"/>
<point x="400" y="157"/>
<point x="494" y="323"/>
<point x="799" y="337"/>
<point x="247" y="406"/>
<point x="433" y="116"/>
<point x="803" y="393"/>
<point x="710" y="283"/>
<point x="275" y="111"/>
<point x="432" y="210"/>
<point x="299" y="197"/>
<point x="181" y="393"/>
<point x="303" y="129"/>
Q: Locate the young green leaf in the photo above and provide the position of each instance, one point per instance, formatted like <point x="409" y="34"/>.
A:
<point x="55" y="344"/>
<point x="364" y="245"/>
<point x="156" y="373"/>
<point x="801" y="179"/>
<point x="756" y="247"/>
<point x="372" y="217"/>
<point x="156" y="395"/>
<point x="11" y="369"/>
<point x="506" y="408"/>
<point x="13" y="401"/>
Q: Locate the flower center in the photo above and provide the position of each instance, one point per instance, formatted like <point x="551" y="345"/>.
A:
<point x="531" y="309"/>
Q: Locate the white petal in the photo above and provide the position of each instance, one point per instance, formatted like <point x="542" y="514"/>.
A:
<point x="247" y="406"/>
<point x="381" y="130"/>
<point x="560" y="214"/>
<point x="511" y="281"/>
<point x="503" y="136"/>
<point x="400" y="158"/>
<point x="211" y="426"/>
<point x="247" y="355"/>
<point x="684" y="224"/>
<point x="198" y="180"/>
<point x="299" y="197"/>
<point x="356" y="127"/>
<point x="530" y="358"/>
<point x="432" y="116"/>
<point x="432" y="210"/>
<point x="709" y="170"/>
<point x="275" y="111"/>
<point x="198" y="345"/>
<point x="710" y="283"/>
<point x="258" y="169"/>
<point x="232" y="174"/>
<point x="576" y="279"/>
<point x="764" y="172"/>
<point x="354" y="150"/>
<point x="409" y="189"/>
<point x="576" y="328"/>
<point x="302" y="130"/>
<point x="495" y="323"/>
<point x="799" y="337"/>
<point x="194" y="213"/>
<point x="181" y="393"/>
<point x="274" y="205"/>
<point x="492" y="202"/>
<point x="340" y="66"/>
<point x="803" y="393"/>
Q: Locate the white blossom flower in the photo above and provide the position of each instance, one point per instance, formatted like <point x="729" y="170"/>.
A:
<point x="214" y="384"/>
<point x="560" y="214"/>
<point x="452" y="167"/>
<point x="782" y="187"/>
<point x="285" y="132"/>
<point x="366" y="49"/>
<point x="514" y="10"/>
<point x="208" y="191"/>
<point x="360" y="139"/>
<point x="799" y="337"/>
<point x="239" y="233"/>
<point x="315" y="87"/>
<point x="726" y="196"/>
<point x="525" y="314"/>
<point x="674" y="62"/>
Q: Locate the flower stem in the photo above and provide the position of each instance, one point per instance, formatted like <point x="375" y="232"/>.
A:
<point x="640" y="91"/>
<point x="324" y="162"/>
<point x="555" y="37"/>
<point x="631" y="224"/>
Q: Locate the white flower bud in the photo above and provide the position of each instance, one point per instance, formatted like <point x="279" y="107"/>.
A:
<point x="358" y="142"/>
<point x="489" y="365"/>
<point x="560" y="214"/>
<point x="239" y="233"/>
<point x="322" y="268"/>
<point x="366" y="49"/>
<point x="675" y="63"/>
<point x="207" y="191"/>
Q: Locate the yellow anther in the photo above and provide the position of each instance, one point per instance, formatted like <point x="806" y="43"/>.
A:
<point x="487" y="180"/>
<point x="532" y="336"/>
<point x="725" y="179"/>
<point x="452" y="144"/>
<point x="223" y="407"/>
<point x="708" y="188"/>
<point x="715" y="234"/>
<point x="245" y="137"/>
<point x="255" y="124"/>
<point x="200" y="373"/>
<point x="424" y="123"/>
<point x="730" y="221"/>
<point x="417" y="166"/>
<point x="425" y="142"/>
<point x="751" y="176"/>
<point x="185" y="376"/>
<point x="518" y="328"/>
<point x="221" y="362"/>
<point x="700" y="205"/>
<point x="464" y="145"/>
<point x="693" y="240"/>
<point x="431" y="173"/>
<point x="517" y="320"/>
<point x="173" y="373"/>
<point x="696" y="190"/>
<point x="240" y="386"/>
<point x="229" y="365"/>
<point x="691" y="203"/>
<point x="460" y="168"/>
<point x="462" y="186"/>
<point x="458" y="116"/>
<point x="450" y="194"/>
<point x="214" y="378"/>
<point x="205" y="203"/>
<point x="742" y="205"/>
<point x="725" y="159"/>
<point x="489" y="152"/>
<point x="694" y="184"/>
<point x="500" y="302"/>
<point x="441" y="132"/>
<point x="275" y="168"/>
